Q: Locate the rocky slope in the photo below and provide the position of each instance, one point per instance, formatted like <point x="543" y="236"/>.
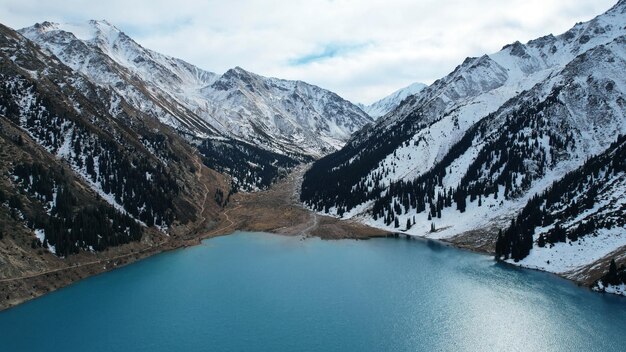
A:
<point x="81" y="170"/>
<point x="461" y="158"/>
<point x="286" y="117"/>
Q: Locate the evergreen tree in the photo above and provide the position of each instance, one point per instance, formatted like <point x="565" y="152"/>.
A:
<point x="500" y="245"/>
<point x="15" y="202"/>
<point x="612" y="276"/>
<point x="541" y="242"/>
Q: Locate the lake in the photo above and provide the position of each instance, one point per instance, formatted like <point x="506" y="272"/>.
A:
<point x="256" y="291"/>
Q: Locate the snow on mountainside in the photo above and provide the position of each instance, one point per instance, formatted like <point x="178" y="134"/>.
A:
<point x="286" y="117"/>
<point x="83" y="173"/>
<point x="158" y="85"/>
<point x="579" y="220"/>
<point x="466" y="154"/>
<point x="392" y="101"/>
<point x="282" y="114"/>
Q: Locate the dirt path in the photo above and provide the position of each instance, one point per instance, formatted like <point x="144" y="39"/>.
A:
<point x="313" y="226"/>
<point x="101" y="261"/>
<point x="199" y="166"/>
<point x="231" y="224"/>
<point x="279" y="210"/>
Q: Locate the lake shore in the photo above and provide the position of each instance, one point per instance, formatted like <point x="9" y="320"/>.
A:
<point x="276" y="210"/>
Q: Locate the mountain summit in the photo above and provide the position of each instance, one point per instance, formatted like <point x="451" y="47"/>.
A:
<point x="285" y="117"/>
<point x="390" y="102"/>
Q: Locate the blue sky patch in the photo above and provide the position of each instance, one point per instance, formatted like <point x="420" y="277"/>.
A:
<point x="327" y="52"/>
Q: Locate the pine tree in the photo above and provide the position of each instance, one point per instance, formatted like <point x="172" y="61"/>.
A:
<point x="15" y="202"/>
<point x="541" y="242"/>
<point x="432" y="227"/>
<point x="500" y="245"/>
<point x="408" y="223"/>
<point x="612" y="278"/>
<point x="396" y="222"/>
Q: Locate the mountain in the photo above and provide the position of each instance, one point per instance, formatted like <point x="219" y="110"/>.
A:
<point x="82" y="169"/>
<point x="290" y="118"/>
<point x="578" y="220"/>
<point x="155" y="84"/>
<point x="462" y="158"/>
<point x="390" y="102"/>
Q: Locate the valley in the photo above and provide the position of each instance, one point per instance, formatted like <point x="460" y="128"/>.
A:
<point x="275" y="210"/>
<point x="111" y="152"/>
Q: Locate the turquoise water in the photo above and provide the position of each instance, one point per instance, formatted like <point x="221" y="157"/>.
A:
<point x="252" y="291"/>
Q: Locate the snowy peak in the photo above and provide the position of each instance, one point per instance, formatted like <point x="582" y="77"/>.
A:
<point x="122" y="49"/>
<point x="286" y="117"/>
<point x="467" y="153"/>
<point x="294" y="116"/>
<point x="101" y="32"/>
<point x="390" y="102"/>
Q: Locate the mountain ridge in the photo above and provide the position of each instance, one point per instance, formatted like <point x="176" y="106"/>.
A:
<point x="385" y="105"/>
<point x="461" y="158"/>
<point x="278" y="115"/>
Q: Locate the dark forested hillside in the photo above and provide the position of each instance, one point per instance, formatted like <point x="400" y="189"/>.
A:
<point x="139" y="172"/>
<point x="250" y="167"/>
<point x="586" y="202"/>
<point x="463" y="157"/>
<point x="64" y="223"/>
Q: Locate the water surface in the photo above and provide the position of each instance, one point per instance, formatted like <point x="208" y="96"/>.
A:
<point x="255" y="291"/>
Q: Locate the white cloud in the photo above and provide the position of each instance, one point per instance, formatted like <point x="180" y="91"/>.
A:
<point x="372" y="47"/>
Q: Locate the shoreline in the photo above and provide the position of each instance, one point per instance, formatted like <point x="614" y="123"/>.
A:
<point x="276" y="210"/>
<point x="190" y="242"/>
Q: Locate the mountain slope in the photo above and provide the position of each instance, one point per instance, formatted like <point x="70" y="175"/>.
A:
<point x="286" y="117"/>
<point x="152" y="83"/>
<point x="464" y="156"/>
<point x="578" y="220"/>
<point x="87" y="160"/>
<point x="392" y="101"/>
<point x="282" y="115"/>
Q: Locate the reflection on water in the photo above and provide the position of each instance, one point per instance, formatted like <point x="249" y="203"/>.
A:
<point x="254" y="291"/>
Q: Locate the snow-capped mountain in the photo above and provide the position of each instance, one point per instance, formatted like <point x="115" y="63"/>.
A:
<point x="280" y="114"/>
<point x="83" y="169"/>
<point x="158" y="85"/>
<point x="461" y="158"/>
<point x="286" y="117"/>
<point x="577" y="222"/>
<point x="390" y="102"/>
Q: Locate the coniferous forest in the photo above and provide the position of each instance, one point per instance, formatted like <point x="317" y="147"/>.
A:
<point x="509" y="161"/>
<point x="559" y="208"/>
<point x="614" y="276"/>
<point x="143" y="187"/>
<point x="68" y="225"/>
<point x="250" y="167"/>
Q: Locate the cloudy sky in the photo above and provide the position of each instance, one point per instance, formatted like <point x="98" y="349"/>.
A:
<point x="361" y="49"/>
